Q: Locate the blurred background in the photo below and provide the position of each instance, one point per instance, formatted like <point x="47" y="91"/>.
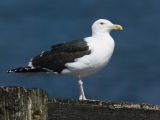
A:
<point x="133" y="74"/>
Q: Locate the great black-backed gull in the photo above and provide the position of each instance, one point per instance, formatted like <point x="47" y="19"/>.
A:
<point x="78" y="58"/>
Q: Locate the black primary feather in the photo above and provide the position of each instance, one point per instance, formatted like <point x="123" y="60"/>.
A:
<point x="26" y="69"/>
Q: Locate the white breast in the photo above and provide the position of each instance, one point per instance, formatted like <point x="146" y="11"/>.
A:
<point x="101" y="52"/>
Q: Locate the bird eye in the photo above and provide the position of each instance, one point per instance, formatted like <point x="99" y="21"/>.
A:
<point x="101" y="23"/>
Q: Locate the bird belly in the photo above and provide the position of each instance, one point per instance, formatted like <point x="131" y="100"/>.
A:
<point x="89" y="64"/>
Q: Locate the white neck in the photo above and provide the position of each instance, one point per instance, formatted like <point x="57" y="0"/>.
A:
<point x="101" y="34"/>
<point x="104" y="38"/>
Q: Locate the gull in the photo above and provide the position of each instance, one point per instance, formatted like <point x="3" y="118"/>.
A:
<point x="78" y="58"/>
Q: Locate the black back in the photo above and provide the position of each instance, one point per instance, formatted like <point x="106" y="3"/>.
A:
<point x="60" y="54"/>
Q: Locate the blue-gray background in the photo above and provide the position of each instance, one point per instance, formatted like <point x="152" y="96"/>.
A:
<point x="28" y="27"/>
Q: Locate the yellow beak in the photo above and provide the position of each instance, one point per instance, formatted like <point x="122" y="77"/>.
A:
<point x="117" y="27"/>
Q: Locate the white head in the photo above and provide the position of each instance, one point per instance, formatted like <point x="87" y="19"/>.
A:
<point x="103" y="26"/>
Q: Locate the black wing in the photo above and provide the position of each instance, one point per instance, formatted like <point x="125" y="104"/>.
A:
<point x="60" y="54"/>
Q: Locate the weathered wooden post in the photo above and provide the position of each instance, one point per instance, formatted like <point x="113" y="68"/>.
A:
<point x="17" y="103"/>
<point x="98" y="110"/>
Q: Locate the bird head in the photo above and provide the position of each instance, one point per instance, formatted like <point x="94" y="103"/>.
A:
<point x="103" y="26"/>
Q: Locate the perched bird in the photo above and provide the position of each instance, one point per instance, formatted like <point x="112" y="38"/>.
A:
<point x="79" y="58"/>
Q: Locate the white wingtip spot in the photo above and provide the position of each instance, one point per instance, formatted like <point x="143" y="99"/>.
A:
<point x="30" y="64"/>
<point x="9" y="71"/>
